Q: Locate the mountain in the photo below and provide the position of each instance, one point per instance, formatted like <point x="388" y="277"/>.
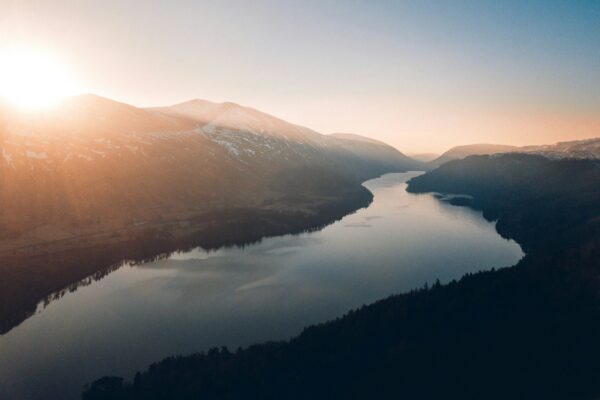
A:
<point x="588" y="148"/>
<point x="258" y="133"/>
<point x="93" y="181"/>
<point x="512" y="329"/>
<point x="424" y="157"/>
<point x="577" y="149"/>
<point x="95" y="163"/>
<point x="459" y="152"/>
<point x="364" y="155"/>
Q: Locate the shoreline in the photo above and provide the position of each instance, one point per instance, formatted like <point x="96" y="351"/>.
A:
<point x="38" y="275"/>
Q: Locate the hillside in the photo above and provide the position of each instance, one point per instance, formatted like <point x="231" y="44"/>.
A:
<point x="93" y="181"/>
<point x="499" y="334"/>
<point x="237" y="126"/>
<point x="576" y="149"/>
<point x="460" y="152"/>
<point x="588" y="148"/>
<point x="525" y="193"/>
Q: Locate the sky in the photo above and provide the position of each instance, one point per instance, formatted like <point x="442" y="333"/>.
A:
<point x="421" y="75"/>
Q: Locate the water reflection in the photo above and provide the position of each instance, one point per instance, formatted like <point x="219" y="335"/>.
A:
<point x="235" y="296"/>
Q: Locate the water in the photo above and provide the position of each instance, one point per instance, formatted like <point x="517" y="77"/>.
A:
<point x="238" y="296"/>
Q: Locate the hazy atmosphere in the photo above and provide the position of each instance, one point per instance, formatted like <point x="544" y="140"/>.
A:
<point x="292" y="200"/>
<point x="422" y="76"/>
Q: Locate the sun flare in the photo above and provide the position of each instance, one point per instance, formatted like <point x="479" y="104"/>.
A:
<point x="33" y="79"/>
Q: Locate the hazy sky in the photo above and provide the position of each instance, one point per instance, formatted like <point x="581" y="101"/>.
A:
<point x="421" y="75"/>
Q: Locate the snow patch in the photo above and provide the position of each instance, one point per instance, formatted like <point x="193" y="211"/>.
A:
<point x="37" y="156"/>
<point x="229" y="146"/>
<point x="7" y="156"/>
<point x="100" y="153"/>
<point x="209" y="128"/>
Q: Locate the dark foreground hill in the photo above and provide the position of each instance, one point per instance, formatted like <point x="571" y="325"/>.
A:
<point x="529" y="331"/>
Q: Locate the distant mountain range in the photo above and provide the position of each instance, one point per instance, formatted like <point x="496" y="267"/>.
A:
<point x="580" y="149"/>
<point x="459" y="152"/>
<point x="424" y="157"/>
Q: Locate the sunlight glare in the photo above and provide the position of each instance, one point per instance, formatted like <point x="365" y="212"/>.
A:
<point x="33" y="79"/>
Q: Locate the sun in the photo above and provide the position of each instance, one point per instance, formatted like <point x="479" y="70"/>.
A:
<point x="32" y="79"/>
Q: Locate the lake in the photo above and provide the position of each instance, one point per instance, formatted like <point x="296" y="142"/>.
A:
<point x="238" y="296"/>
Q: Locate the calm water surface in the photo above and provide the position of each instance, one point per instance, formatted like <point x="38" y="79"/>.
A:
<point x="233" y="296"/>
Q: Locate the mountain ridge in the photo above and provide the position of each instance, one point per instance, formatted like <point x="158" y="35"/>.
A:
<point x="462" y="151"/>
<point x="93" y="181"/>
<point x="578" y="149"/>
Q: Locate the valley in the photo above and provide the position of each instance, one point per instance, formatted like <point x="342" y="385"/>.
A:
<point x="299" y="200"/>
<point x="197" y="298"/>
<point x="534" y="325"/>
<point x="95" y="182"/>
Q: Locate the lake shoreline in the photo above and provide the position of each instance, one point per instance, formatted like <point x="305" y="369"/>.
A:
<point x="43" y="272"/>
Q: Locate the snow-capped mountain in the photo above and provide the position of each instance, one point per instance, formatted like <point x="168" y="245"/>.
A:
<point x="95" y="164"/>
<point x="251" y="134"/>
<point x="93" y="181"/>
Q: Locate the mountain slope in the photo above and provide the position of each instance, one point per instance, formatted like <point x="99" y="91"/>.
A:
<point x="459" y="152"/>
<point x="246" y="129"/>
<point x="93" y="159"/>
<point x="588" y="148"/>
<point x="370" y="156"/>
<point x="93" y="181"/>
<point x="577" y="149"/>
